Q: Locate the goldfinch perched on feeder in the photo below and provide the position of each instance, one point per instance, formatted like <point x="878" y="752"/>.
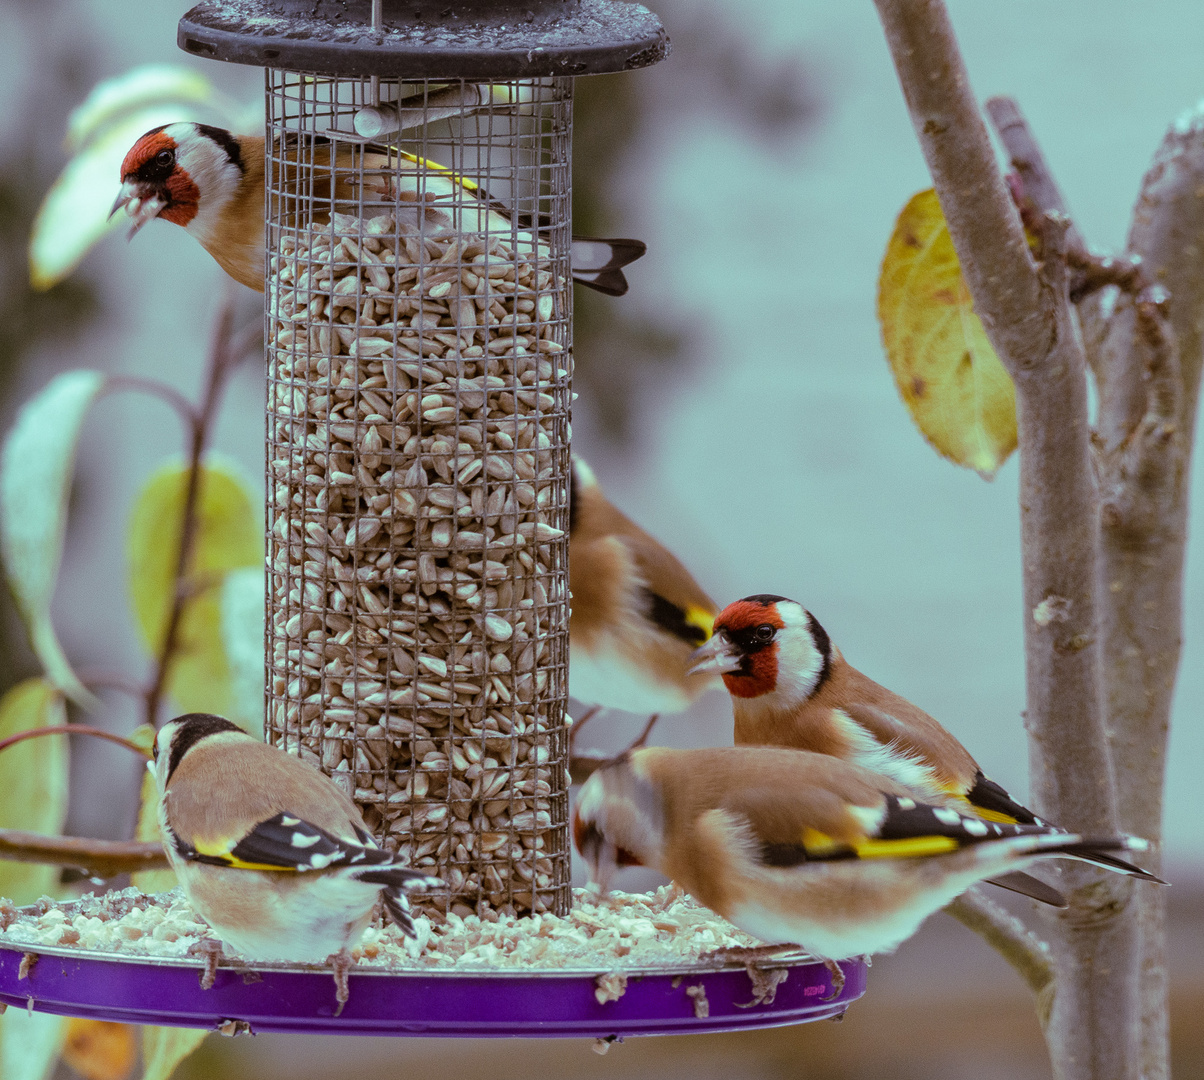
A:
<point x="211" y="182"/>
<point x="269" y="851"/>
<point x="791" y="686"/>
<point x="637" y="614"/>
<point x="800" y="848"/>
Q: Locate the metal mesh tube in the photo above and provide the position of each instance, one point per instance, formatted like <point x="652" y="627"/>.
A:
<point x="419" y="365"/>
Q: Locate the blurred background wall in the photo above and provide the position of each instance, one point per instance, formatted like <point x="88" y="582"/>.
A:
<point x="736" y="403"/>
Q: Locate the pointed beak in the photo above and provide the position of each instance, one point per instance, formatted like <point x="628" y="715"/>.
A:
<point x="141" y="202"/>
<point x="717" y="657"/>
<point x="603" y="861"/>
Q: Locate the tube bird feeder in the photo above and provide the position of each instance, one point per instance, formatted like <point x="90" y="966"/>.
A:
<point x="419" y="354"/>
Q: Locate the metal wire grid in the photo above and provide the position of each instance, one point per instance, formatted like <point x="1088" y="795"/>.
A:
<point x="419" y="370"/>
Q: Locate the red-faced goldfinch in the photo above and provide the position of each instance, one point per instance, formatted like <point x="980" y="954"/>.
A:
<point x="791" y="686"/>
<point x="268" y="850"/>
<point x="800" y="848"/>
<point x="211" y="182"/>
<point x="637" y="614"/>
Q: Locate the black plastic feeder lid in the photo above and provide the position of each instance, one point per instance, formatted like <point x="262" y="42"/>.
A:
<point x="428" y="39"/>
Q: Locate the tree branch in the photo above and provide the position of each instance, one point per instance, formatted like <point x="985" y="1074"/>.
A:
<point x="1027" y="314"/>
<point x="96" y="858"/>
<point x="1018" y="945"/>
<point x="1149" y="375"/>
<point x="226" y="351"/>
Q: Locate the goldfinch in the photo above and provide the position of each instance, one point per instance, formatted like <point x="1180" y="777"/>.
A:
<point x="791" y="687"/>
<point x="269" y="851"/>
<point x="637" y="614"/>
<point x="211" y="182"/>
<point x="800" y="848"/>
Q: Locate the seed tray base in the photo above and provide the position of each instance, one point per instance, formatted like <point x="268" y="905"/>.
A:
<point x="463" y="1004"/>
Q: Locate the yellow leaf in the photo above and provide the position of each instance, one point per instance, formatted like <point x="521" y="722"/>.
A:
<point x="959" y="394"/>
<point x="228" y="536"/>
<point x="163" y="1048"/>
<point x="149" y="881"/>
<point x="33" y="783"/>
<point x="99" y="1049"/>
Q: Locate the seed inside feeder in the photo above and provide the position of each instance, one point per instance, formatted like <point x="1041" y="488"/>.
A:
<point x="418" y="441"/>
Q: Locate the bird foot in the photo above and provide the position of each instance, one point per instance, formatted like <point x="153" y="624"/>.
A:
<point x="211" y="950"/>
<point x="745" y="954"/>
<point x="341" y="964"/>
<point x="837" y="980"/>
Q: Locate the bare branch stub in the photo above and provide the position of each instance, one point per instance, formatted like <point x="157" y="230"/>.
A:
<point x="1018" y="945"/>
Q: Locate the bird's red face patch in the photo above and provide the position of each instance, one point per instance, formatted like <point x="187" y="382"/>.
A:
<point x="145" y="152"/>
<point x="151" y="165"/>
<point x="751" y="625"/>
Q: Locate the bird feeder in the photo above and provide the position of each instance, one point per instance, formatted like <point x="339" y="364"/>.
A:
<point x="419" y="362"/>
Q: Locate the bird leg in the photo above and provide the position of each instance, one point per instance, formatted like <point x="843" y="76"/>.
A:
<point x="745" y="954"/>
<point x="211" y="950"/>
<point x="341" y="964"/>
<point x="837" y="980"/>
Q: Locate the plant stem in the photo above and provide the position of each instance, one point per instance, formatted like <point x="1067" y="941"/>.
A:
<point x="71" y="729"/>
<point x="226" y="351"/>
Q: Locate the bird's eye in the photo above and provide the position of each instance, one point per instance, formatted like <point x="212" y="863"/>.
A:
<point x="763" y="633"/>
<point x="166" y="158"/>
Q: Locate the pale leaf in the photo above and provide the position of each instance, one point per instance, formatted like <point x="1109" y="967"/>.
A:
<point x="74" y="215"/>
<point x="33" y="779"/>
<point x="100" y="1049"/>
<point x="163" y="1048"/>
<point x="242" y="604"/>
<point x="144" y="87"/>
<point x="228" y="536"/>
<point x="30" y="1044"/>
<point x="959" y="394"/>
<point x="36" y="465"/>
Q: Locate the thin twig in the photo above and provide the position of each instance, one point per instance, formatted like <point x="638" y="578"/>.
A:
<point x="154" y="388"/>
<point x="226" y="351"/>
<point x="1039" y="195"/>
<point x="96" y="858"/>
<point x="71" y="729"/>
<point x="1009" y="937"/>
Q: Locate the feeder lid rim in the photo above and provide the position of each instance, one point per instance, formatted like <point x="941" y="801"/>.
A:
<point x="458" y="39"/>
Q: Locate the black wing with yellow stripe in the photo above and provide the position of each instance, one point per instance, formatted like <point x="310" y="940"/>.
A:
<point x="908" y="830"/>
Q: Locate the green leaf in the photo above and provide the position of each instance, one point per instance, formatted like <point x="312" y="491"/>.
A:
<point x="959" y="394"/>
<point x="242" y="605"/>
<point x="33" y="780"/>
<point x="144" y="87"/>
<point x="30" y="1044"/>
<point x="228" y="537"/>
<point x="36" y="465"/>
<point x="163" y="1048"/>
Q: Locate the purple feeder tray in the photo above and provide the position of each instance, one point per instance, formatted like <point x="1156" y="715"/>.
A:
<point x="463" y="1004"/>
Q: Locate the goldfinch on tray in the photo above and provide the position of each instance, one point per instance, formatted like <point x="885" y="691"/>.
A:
<point x="801" y="848"/>
<point x="637" y="614"/>
<point x="791" y="686"/>
<point x="269" y="851"/>
<point x="211" y="182"/>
